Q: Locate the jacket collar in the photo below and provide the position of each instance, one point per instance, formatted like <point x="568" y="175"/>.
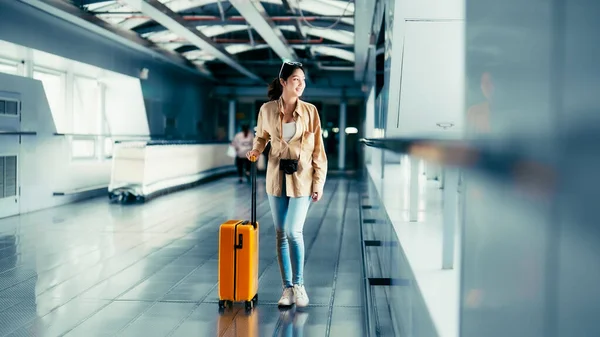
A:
<point x="299" y="106"/>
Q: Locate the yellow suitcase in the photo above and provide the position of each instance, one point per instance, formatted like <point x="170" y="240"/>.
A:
<point x="238" y="258"/>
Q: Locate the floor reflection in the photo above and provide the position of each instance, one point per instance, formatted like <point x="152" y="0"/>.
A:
<point x="293" y="322"/>
<point x="240" y="322"/>
<point x="8" y="253"/>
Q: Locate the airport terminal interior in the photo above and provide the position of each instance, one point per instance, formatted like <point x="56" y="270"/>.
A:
<point x="438" y="179"/>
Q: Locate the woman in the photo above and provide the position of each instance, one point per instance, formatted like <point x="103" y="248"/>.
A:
<point x="295" y="172"/>
<point x="242" y="142"/>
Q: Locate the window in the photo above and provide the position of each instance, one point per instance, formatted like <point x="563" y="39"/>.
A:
<point x="9" y="107"/>
<point x="54" y="87"/>
<point x="86" y="106"/>
<point x="106" y="141"/>
<point x="83" y="147"/>
<point x="108" y="147"/>
<point x="89" y="123"/>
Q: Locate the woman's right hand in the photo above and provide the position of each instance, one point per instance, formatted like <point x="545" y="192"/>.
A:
<point x="252" y="155"/>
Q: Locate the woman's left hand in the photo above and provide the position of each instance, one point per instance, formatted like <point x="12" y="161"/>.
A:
<point x="316" y="196"/>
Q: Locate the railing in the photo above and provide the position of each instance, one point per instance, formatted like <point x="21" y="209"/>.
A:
<point x="94" y="146"/>
<point x="100" y="146"/>
<point x="18" y="133"/>
<point x="495" y="158"/>
<point x="164" y="142"/>
<point x="498" y="160"/>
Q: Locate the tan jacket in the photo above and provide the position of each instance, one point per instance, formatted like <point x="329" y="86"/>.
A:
<point x="306" y="144"/>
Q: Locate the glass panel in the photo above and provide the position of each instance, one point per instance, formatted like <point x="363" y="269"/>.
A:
<point x="108" y="147"/>
<point x="353" y="134"/>
<point x="83" y="148"/>
<point x="55" y="94"/>
<point x="2" y="177"/>
<point x="86" y="106"/>
<point x="330" y="122"/>
<point x="12" y="108"/>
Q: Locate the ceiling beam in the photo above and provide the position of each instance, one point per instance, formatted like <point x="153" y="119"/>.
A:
<point x="294" y="10"/>
<point x="152" y="27"/>
<point x="363" y="18"/>
<point x="90" y="2"/>
<point x="221" y="10"/>
<point x="176" y="24"/>
<point x="328" y="49"/>
<point x="85" y="20"/>
<point x="310" y="91"/>
<point x="287" y="6"/>
<point x="257" y="17"/>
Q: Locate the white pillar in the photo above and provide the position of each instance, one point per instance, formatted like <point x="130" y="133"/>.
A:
<point x="28" y="66"/>
<point x="450" y="207"/>
<point x="414" y="189"/>
<point x="342" y="139"/>
<point x="231" y="119"/>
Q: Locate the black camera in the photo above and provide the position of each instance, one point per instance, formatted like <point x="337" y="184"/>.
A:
<point x="288" y="166"/>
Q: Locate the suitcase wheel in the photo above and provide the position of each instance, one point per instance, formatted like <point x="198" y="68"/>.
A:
<point x="221" y="304"/>
<point x="252" y="303"/>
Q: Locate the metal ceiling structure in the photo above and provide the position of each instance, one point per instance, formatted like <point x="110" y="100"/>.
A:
<point x="243" y="41"/>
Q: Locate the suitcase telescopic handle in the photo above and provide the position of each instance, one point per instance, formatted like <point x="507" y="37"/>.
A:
<point x="253" y="180"/>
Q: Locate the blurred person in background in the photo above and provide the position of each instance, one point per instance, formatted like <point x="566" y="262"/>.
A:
<point x="242" y="143"/>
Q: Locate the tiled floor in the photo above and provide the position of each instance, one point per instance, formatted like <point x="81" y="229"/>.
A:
<point x="96" y="269"/>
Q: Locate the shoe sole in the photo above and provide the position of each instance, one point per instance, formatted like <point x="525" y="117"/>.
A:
<point x="286" y="305"/>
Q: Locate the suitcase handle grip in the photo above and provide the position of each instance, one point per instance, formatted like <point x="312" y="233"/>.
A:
<point x="240" y="242"/>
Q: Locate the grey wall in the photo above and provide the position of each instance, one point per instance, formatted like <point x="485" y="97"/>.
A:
<point x="531" y="242"/>
<point x="172" y="90"/>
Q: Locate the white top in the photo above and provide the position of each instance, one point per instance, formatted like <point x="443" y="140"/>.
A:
<point x="289" y="130"/>
<point x="242" y="144"/>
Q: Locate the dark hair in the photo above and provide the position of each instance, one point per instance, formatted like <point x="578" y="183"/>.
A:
<point x="275" y="89"/>
<point x="245" y="128"/>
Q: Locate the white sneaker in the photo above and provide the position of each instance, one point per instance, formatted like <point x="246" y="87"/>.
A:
<point x="287" y="298"/>
<point x="300" y="296"/>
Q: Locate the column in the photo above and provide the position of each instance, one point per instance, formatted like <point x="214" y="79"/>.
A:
<point x="414" y="189"/>
<point x="28" y="66"/>
<point x="450" y="197"/>
<point x="231" y="119"/>
<point x="342" y="139"/>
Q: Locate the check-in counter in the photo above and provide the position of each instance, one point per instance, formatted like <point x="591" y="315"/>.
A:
<point x="141" y="169"/>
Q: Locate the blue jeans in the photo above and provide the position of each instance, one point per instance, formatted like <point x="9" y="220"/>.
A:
<point x="289" y="215"/>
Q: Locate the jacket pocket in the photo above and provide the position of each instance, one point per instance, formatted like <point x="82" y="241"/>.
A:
<point x="308" y="143"/>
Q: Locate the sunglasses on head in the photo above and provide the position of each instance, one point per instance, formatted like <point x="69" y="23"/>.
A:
<point x="289" y="63"/>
